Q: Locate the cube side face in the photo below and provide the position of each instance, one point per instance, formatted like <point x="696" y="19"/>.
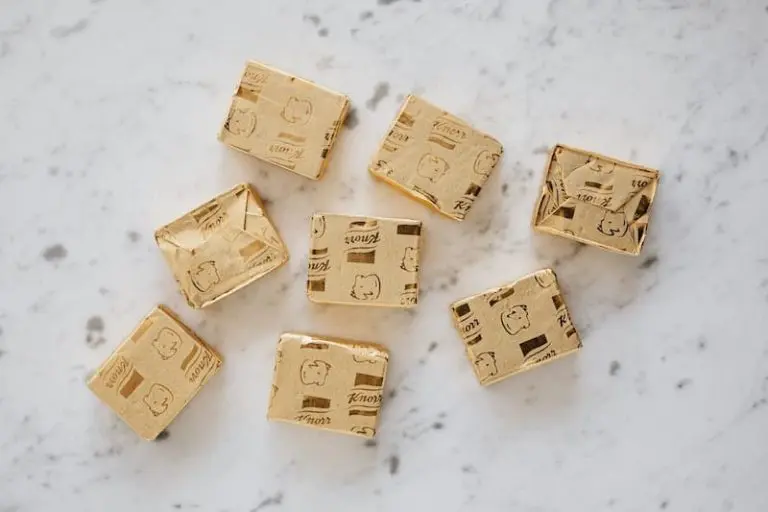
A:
<point x="284" y="120"/>
<point x="328" y="383"/>
<point x="221" y="246"/>
<point x="436" y="157"/>
<point x="364" y="261"/>
<point x="154" y="373"/>
<point x="596" y="200"/>
<point x="515" y="327"/>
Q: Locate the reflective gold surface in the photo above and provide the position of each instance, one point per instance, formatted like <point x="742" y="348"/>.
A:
<point x="154" y="373"/>
<point x="221" y="246"/>
<point x="284" y="120"/>
<point x="515" y="327"/>
<point x="366" y="261"/>
<point x="328" y="383"/>
<point x="436" y="157"/>
<point x="596" y="200"/>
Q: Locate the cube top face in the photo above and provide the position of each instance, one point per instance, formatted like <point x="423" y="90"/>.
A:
<point x="284" y="120"/>
<point x="436" y="158"/>
<point x="328" y="383"/>
<point x="515" y="327"/>
<point x="364" y="261"/>
<point x="596" y="200"/>
<point x="154" y="373"/>
<point x="221" y="246"/>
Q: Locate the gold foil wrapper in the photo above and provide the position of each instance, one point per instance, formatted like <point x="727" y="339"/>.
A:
<point x="221" y="246"/>
<point x="596" y="200"/>
<point x="284" y="120"/>
<point x="366" y="261"/>
<point x="436" y="158"/>
<point x="154" y="373"/>
<point x="515" y="327"/>
<point x="328" y="383"/>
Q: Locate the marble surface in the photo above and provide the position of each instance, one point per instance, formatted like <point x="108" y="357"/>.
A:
<point x="109" y="115"/>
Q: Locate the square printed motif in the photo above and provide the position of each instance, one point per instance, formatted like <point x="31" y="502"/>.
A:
<point x="436" y="158"/>
<point x="328" y="383"/>
<point x="154" y="373"/>
<point x="515" y="327"/>
<point x="284" y="120"/>
<point x="221" y="246"/>
<point x="596" y="200"/>
<point x="366" y="261"/>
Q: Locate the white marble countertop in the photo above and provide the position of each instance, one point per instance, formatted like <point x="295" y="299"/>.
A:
<point x="109" y="115"/>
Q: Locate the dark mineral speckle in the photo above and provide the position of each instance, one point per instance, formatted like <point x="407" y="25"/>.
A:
<point x="351" y="120"/>
<point x="66" y="31"/>
<point x="95" y="323"/>
<point x="380" y="92"/>
<point x="649" y="262"/>
<point x="95" y="328"/>
<point x="277" y="499"/>
<point x="55" y="252"/>
<point x="394" y="464"/>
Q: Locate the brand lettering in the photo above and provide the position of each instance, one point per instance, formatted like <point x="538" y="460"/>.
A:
<point x="117" y="371"/>
<point x="449" y="129"/>
<point x="471" y="326"/>
<point x="286" y="151"/>
<point x="362" y="239"/>
<point x="462" y="205"/>
<point x="399" y="136"/>
<point x="357" y="397"/>
<point x="313" y="420"/>
<point x="552" y="353"/>
<point x="592" y="199"/>
<point x="265" y="259"/>
<point x="200" y="366"/>
<point x="215" y="222"/>
<point x="255" y="77"/>
<point x="319" y="267"/>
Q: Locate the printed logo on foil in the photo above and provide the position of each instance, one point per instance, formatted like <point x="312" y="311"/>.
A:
<point x="447" y="133"/>
<point x="361" y="240"/>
